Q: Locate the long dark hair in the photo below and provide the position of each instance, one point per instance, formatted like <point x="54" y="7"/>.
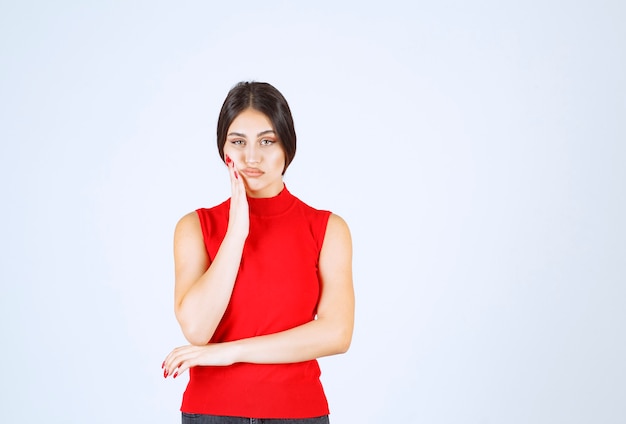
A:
<point x="266" y="99"/>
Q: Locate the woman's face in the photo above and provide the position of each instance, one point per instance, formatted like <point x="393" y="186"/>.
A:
<point x="257" y="152"/>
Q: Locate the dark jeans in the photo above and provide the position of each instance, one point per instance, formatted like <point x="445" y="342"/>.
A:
<point x="215" y="419"/>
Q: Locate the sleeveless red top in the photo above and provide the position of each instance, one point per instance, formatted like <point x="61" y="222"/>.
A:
<point x="277" y="288"/>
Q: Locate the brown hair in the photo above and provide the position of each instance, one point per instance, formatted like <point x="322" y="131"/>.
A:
<point x="266" y="99"/>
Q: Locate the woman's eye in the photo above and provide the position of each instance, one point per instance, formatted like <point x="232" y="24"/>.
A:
<point x="266" y="142"/>
<point x="237" y="142"/>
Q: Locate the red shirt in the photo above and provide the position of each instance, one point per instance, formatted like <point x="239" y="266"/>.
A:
<point x="277" y="288"/>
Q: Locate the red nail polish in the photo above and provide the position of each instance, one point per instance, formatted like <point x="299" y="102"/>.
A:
<point x="228" y="160"/>
<point x="175" y="374"/>
<point x="236" y="175"/>
<point x="163" y="365"/>
<point x="165" y="374"/>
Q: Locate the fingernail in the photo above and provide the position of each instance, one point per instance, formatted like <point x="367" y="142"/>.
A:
<point x="165" y="374"/>
<point x="163" y="365"/>
<point x="175" y="374"/>
<point x="236" y="175"/>
<point x="228" y="160"/>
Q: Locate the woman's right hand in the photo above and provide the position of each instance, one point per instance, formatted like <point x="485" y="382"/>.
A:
<point x="239" y="217"/>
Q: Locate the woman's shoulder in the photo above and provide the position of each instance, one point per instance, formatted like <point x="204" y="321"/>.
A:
<point x="210" y="213"/>
<point x="212" y="209"/>
<point x="188" y="222"/>
<point x="337" y="225"/>
<point x="311" y="209"/>
<point x="194" y="217"/>
<point x="327" y="216"/>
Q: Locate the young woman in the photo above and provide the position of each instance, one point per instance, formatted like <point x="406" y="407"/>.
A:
<point x="263" y="282"/>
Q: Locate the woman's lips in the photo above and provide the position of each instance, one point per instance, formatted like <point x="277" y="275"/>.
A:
<point x="252" y="172"/>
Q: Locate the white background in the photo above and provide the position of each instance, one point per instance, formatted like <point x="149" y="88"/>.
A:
<point x="476" y="149"/>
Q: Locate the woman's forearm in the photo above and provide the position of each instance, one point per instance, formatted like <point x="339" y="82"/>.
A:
<point x="204" y="287"/>
<point x="201" y="308"/>
<point x="309" y="341"/>
<point x="312" y="340"/>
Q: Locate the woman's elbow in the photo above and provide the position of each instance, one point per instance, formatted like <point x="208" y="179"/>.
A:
<point x="343" y="340"/>
<point x="194" y="335"/>
<point x="347" y="341"/>
<point x="195" y="339"/>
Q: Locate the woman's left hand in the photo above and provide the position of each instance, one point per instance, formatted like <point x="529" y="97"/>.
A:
<point x="182" y="358"/>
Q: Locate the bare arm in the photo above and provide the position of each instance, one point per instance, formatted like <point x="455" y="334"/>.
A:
<point x="329" y="334"/>
<point x="203" y="288"/>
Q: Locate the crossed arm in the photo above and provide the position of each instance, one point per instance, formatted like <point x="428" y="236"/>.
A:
<point x="200" y="283"/>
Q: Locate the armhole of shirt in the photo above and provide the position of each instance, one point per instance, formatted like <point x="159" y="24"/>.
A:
<point x="204" y="225"/>
<point x="321" y="230"/>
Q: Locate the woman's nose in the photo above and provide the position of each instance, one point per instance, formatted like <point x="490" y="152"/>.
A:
<point x="252" y="155"/>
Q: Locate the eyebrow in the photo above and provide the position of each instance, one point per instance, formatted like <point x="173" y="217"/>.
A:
<point x="236" y="134"/>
